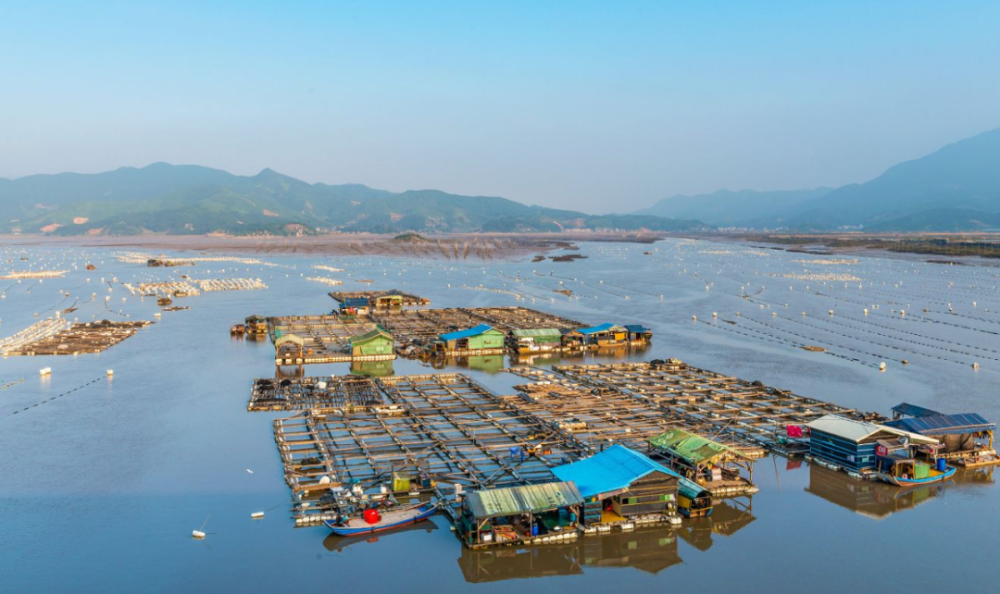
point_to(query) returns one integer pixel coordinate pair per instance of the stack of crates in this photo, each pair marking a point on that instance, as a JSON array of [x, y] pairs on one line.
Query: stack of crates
[[591, 511]]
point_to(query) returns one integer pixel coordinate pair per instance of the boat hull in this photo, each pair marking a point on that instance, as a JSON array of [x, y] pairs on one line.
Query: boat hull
[[422, 513], [901, 482]]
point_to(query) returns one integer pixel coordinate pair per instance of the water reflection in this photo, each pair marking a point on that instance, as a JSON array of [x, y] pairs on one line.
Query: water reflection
[[338, 544], [874, 499], [372, 368], [728, 517], [647, 549]]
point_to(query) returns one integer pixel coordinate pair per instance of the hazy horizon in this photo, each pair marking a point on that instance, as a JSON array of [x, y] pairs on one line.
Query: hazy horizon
[[570, 105]]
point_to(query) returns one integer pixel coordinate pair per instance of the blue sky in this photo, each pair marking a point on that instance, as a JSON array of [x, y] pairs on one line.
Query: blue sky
[[598, 106]]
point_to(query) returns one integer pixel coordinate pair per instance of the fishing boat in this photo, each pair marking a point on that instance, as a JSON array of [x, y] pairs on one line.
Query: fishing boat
[[390, 520], [907, 473], [905, 465]]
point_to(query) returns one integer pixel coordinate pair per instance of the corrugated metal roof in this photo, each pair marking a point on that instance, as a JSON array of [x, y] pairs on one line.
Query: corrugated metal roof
[[913, 410], [595, 329], [691, 447], [858, 430], [615, 468], [636, 328], [944, 424], [474, 331], [537, 332], [520, 500]]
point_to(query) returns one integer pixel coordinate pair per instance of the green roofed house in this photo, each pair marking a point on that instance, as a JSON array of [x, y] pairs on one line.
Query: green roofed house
[[478, 338], [534, 340], [548, 511], [374, 344], [722, 469]]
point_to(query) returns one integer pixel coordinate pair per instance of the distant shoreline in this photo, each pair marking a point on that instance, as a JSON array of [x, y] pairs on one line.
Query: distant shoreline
[[450, 246]]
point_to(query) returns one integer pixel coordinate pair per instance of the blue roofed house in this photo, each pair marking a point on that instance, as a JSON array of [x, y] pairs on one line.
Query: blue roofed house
[[481, 338], [605, 335], [620, 485], [966, 438], [639, 334]]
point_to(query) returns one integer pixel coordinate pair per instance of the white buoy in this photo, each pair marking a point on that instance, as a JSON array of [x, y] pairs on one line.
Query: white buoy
[[975, 366], [694, 318], [249, 471], [111, 372], [715, 315], [257, 515], [197, 534], [831, 312], [881, 366]]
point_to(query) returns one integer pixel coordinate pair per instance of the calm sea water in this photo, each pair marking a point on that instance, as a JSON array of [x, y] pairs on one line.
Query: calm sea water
[[101, 487]]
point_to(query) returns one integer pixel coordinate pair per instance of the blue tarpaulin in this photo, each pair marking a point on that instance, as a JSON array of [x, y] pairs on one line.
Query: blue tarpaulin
[[614, 469], [474, 331], [944, 424]]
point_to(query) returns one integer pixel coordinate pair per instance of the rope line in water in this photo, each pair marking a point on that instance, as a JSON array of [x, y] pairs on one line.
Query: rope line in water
[[67, 393]]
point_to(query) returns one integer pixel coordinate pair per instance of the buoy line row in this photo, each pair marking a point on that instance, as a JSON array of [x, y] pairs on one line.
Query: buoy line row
[[25, 409], [839, 346], [888, 346], [11, 384], [784, 341], [841, 316]]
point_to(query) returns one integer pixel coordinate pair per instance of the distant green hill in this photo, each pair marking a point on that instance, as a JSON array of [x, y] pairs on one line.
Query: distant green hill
[[187, 199]]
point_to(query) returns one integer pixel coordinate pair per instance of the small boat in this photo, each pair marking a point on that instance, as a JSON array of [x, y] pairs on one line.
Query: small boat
[[390, 520], [910, 472]]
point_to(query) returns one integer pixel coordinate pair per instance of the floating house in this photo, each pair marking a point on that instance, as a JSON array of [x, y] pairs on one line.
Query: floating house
[[256, 325], [621, 486], [639, 334], [388, 302], [377, 343], [478, 339], [719, 468], [853, 445], [573, 339], [605, 335], [357, 306], [532, 513], [966, 438], [537, 340]]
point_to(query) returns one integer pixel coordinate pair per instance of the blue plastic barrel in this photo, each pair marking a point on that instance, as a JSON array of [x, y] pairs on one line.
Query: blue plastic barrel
[[942, 465]]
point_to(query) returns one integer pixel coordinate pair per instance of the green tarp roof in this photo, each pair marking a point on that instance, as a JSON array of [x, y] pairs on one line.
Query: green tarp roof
[[371, 334], [533, 332], [693, 448], [520, 500]]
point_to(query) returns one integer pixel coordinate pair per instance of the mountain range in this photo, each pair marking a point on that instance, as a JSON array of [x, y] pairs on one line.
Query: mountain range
[[189, 199], [956, 188]]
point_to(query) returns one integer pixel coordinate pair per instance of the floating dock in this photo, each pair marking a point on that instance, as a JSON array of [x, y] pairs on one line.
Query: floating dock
[[58, 337]]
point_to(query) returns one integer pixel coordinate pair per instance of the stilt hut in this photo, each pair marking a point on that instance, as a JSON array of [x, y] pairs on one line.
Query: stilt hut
[[721, 469], [620, 485], [519, 514], [290, 347]]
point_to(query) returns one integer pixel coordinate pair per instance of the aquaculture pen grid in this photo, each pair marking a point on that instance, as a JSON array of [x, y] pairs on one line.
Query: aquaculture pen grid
[[435, 430], [711, 404], [325, 338], [320, 393]]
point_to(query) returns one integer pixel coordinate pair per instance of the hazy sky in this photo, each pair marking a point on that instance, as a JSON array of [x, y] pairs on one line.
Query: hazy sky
[[599, 106]]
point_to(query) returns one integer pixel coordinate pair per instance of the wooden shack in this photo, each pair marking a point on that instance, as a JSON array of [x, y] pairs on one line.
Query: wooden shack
[[520, 514], [605, 335], [721, 469], [256, 325], [534, 340], [620, 485], [639, 334]]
